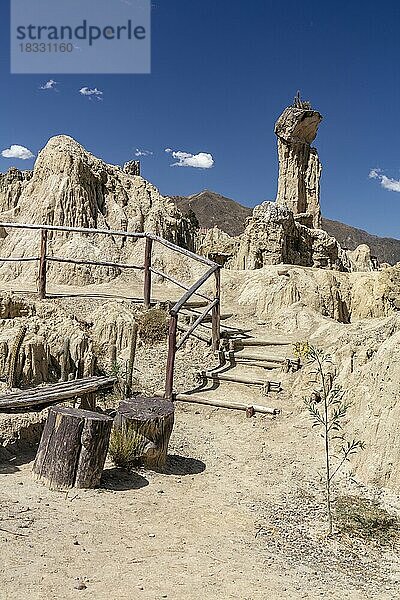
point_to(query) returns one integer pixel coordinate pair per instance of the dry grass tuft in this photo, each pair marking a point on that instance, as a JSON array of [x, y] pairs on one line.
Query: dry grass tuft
[[122, 448], [153, 326], [367, 519]]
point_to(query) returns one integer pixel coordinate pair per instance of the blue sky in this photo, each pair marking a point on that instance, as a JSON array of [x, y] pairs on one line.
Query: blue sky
[[222, 71]]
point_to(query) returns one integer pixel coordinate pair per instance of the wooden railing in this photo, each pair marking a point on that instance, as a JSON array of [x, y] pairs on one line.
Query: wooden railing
[[173, 343]]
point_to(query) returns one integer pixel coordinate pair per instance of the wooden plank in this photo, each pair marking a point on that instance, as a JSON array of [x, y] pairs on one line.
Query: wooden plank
[[169, 376], [197, 335], [183, 286], [54, 393], [196, 323], [96, 263], [42, 264], [238, 379], [147, 273], [85, 230], [216, 313], [187, 253], [260, 342], [20, 259], [258, 357], [175, 309], [225, 404]]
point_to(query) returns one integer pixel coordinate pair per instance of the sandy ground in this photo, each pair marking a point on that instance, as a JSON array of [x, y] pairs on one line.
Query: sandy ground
[[237, 515]]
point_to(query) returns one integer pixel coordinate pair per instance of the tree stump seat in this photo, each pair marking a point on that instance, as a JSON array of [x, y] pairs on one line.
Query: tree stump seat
[[73, 448], [150, 420]]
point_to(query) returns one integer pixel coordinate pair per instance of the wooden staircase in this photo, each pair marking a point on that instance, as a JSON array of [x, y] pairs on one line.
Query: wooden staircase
[[249, 367]]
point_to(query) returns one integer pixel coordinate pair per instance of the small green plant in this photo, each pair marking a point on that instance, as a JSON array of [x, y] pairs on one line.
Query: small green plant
[[361, 517], [328, 410], [116, 369], [123, 446], [153, 326]]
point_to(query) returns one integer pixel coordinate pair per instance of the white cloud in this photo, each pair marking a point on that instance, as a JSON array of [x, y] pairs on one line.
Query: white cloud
[[202, 160], [392, 185], [374, 173], [49, 85], [91, 93], [139, 152], [16, 151]]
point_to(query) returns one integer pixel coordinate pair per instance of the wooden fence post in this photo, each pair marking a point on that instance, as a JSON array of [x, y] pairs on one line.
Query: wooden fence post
[[43, 264], [147, 273], [169, 380], [216, 313]]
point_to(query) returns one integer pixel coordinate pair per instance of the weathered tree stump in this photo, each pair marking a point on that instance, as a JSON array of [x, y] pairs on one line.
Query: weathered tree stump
[[151, 420], [73, 448]]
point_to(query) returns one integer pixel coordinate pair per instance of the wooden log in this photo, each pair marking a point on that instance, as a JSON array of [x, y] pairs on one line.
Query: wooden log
[[196, 335], [195, 303], [175, 309], [42, 264], [208, 319], [73, 448], [197, 322], [20, 259], [147, 273], [181, 250], [183, 286], [96, 263], [55, 393], [272, 385], [148, 422], [169, 377], [86, 230], [225, 404], [261, 365], [216, 313], [259, 342], [260, 357]]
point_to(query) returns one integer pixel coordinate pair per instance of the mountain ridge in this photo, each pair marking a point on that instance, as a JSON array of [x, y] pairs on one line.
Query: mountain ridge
[[212, 208]]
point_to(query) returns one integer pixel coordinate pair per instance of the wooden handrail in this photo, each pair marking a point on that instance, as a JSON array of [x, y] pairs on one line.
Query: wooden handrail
[[214, 305], [85, 230], [96, 263], [197, 322], [188, 253], [175, 309], [179, 284]]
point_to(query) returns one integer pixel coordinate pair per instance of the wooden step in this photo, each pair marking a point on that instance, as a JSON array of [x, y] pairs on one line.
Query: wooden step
[[268, 386], [208, 319], [266, 362], [237, 343]]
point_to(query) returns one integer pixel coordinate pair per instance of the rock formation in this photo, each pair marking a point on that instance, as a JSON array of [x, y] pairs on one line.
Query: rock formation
[[287, 231], [71, 187], [12, 184], [132, 168], [299, 165]]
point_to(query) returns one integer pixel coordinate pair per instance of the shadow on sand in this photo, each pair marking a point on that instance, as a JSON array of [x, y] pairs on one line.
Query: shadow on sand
[[116, 479], [180, 465]]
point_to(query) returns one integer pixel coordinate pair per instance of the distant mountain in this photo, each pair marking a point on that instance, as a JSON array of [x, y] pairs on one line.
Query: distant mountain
[[212, 209], [385, 249]]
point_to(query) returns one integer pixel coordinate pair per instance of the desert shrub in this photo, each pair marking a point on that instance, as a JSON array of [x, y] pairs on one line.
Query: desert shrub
[[327, 411], [122, 448], [361, 517], [153, 326]]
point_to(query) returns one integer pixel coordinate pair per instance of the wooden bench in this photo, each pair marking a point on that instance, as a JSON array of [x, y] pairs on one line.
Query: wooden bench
[[46, 395]]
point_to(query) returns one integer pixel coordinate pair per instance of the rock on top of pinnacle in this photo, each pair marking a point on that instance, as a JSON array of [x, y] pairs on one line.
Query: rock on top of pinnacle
[[298, 124]]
